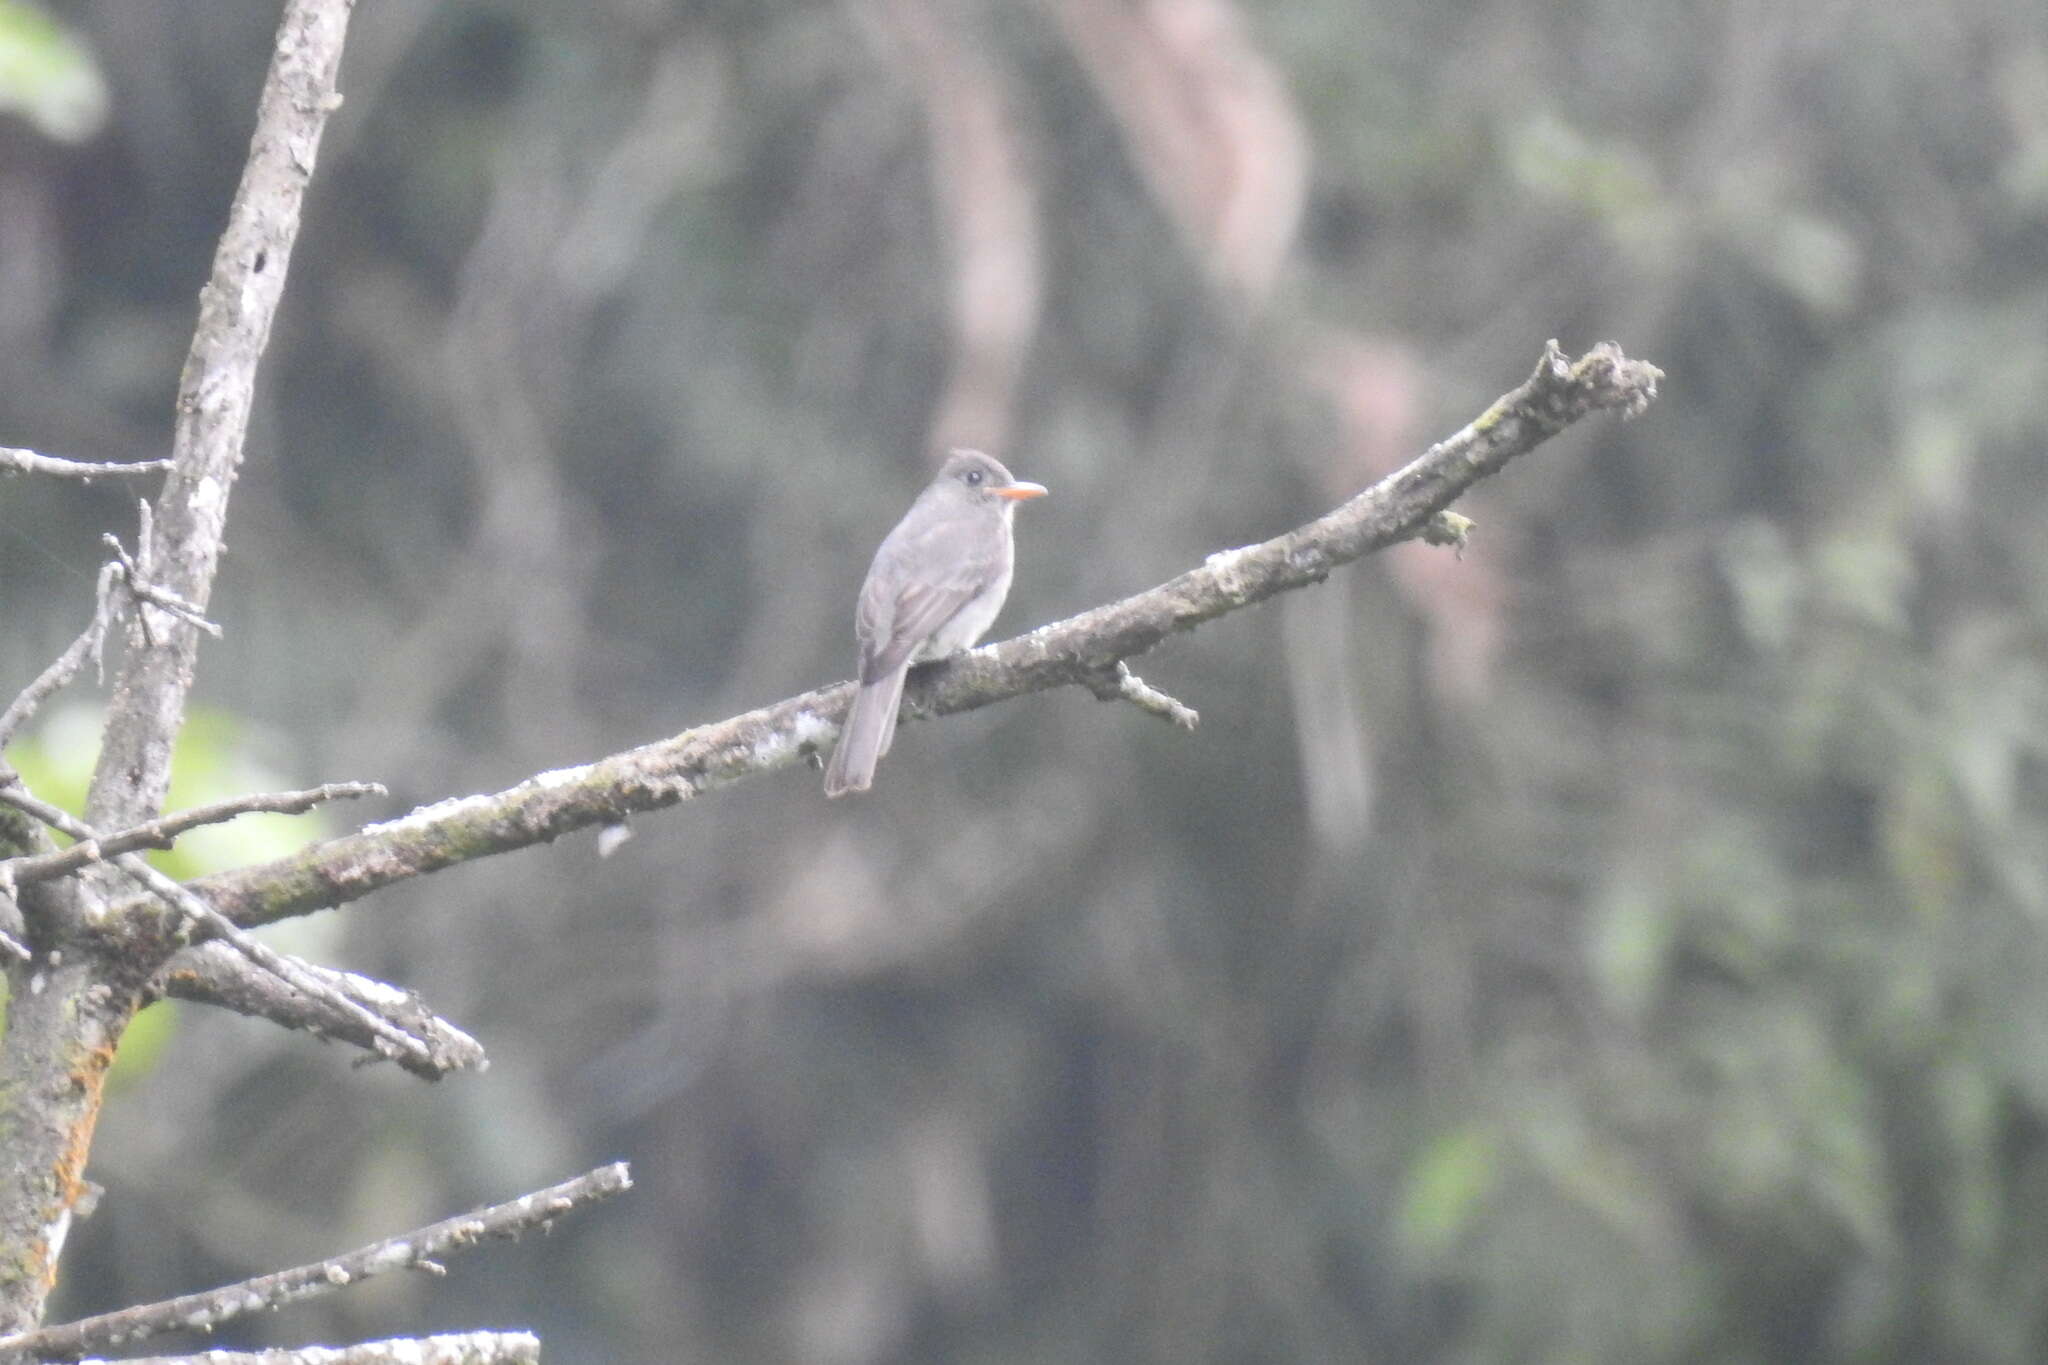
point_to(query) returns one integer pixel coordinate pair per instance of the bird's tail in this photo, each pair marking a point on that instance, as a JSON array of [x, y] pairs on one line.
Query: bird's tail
[[864, 736]]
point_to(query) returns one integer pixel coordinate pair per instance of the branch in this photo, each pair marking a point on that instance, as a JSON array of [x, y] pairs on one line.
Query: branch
[[13, 461], [127, 573], [388, 1039], [217, 974], [161, 833], [215, 395], [66, 665], [466, 1348], [1075, 651], [414, 1250]]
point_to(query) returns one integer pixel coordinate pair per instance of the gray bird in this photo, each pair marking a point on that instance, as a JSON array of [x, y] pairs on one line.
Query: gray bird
[[935, 586]]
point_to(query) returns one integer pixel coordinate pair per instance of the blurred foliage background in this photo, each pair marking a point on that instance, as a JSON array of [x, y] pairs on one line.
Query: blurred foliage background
[[1627, 944]]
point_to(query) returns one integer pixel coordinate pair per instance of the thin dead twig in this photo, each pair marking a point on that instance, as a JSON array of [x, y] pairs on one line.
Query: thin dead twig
[[62, 669], [157, 596], [89, 646], [16, 461], [161, 833]]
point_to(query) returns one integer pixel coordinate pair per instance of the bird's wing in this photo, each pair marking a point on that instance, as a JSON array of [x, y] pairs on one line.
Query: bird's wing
[[899, 610]]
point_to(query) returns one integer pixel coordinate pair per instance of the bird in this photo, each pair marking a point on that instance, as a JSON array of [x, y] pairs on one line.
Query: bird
[[934, 588]]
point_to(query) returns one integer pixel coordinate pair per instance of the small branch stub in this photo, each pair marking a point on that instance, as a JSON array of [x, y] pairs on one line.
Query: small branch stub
[[1120, 684], [1450, 529]]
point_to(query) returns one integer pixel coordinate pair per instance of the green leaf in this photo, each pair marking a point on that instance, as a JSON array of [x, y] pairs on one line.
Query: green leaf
[[48, 75], [1444, 1189]]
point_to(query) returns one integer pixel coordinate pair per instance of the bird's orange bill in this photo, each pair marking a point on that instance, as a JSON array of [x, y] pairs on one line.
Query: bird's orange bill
[[1020, 490]]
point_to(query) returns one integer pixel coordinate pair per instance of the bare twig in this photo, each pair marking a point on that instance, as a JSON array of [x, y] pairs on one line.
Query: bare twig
[[1067, 653], [463, 1348], [139, 584], [414, 1250], [66, 665], [88, 646], [13, 461], [216, 973], [391, 1041], [161, 833]]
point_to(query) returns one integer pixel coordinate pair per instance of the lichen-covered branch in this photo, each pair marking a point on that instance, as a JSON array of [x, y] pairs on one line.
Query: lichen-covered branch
[[204, 922], [1078, 651], [416, 1250], [452, 1348], [216, 973]]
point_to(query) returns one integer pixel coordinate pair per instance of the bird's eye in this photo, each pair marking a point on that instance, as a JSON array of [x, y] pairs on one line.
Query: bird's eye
[[973, 477]]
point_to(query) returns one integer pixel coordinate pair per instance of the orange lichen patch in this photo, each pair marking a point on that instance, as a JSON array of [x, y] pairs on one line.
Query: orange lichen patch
[[89, 1079], [40, 1257]]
